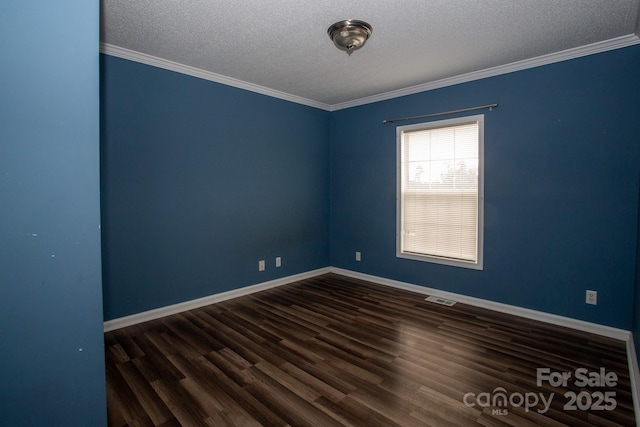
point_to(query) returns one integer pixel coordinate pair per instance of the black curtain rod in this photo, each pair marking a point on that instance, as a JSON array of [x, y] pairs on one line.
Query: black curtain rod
[[481, 107]]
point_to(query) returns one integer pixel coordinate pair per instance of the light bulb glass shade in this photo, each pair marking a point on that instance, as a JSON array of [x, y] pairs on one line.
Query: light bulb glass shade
[[350, 34]]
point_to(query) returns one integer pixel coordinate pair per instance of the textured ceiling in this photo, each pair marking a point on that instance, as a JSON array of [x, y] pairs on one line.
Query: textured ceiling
[[282, 45]]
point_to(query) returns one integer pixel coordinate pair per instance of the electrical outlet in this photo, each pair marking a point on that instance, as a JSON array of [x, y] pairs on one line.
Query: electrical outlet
[[358, 256], [261, 265], [592, 297], [278, 262]]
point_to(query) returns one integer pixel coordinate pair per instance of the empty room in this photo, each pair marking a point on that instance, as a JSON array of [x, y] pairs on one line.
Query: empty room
[[410, 213]]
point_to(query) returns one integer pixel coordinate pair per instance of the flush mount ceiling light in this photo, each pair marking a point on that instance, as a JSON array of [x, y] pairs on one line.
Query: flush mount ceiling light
[[350, 34]]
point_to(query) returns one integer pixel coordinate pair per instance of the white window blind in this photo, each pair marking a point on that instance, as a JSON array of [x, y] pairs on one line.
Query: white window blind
[[440, 191]]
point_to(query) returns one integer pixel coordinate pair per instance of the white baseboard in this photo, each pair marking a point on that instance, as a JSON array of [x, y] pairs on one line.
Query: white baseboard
[[553, 319], [634, 376], [157, 313]]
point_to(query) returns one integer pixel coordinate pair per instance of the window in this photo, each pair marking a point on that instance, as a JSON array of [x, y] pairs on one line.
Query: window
[[440, 191]]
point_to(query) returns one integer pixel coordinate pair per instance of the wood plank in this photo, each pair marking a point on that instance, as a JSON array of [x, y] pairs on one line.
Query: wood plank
[[337, 351]]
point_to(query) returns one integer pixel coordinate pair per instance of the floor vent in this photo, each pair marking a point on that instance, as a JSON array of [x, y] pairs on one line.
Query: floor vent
[[439, 300]]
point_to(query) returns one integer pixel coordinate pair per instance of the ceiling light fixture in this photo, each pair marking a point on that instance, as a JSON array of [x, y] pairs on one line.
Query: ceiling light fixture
[[350, 34]]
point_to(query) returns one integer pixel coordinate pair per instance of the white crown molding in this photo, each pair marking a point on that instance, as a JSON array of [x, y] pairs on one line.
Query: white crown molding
[[157, 313], [539, 61], [154, 61], [580, 325], [603, 46]]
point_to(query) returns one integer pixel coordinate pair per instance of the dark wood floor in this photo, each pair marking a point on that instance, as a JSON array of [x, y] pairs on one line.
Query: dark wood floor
[[334, 351]]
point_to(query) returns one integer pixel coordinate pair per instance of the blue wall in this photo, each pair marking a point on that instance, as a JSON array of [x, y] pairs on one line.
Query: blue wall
[[636, 300], [51, 360], [562, 158], [202, 180]]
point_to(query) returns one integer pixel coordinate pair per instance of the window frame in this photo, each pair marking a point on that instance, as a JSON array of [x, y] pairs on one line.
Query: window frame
[[479, 263]]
